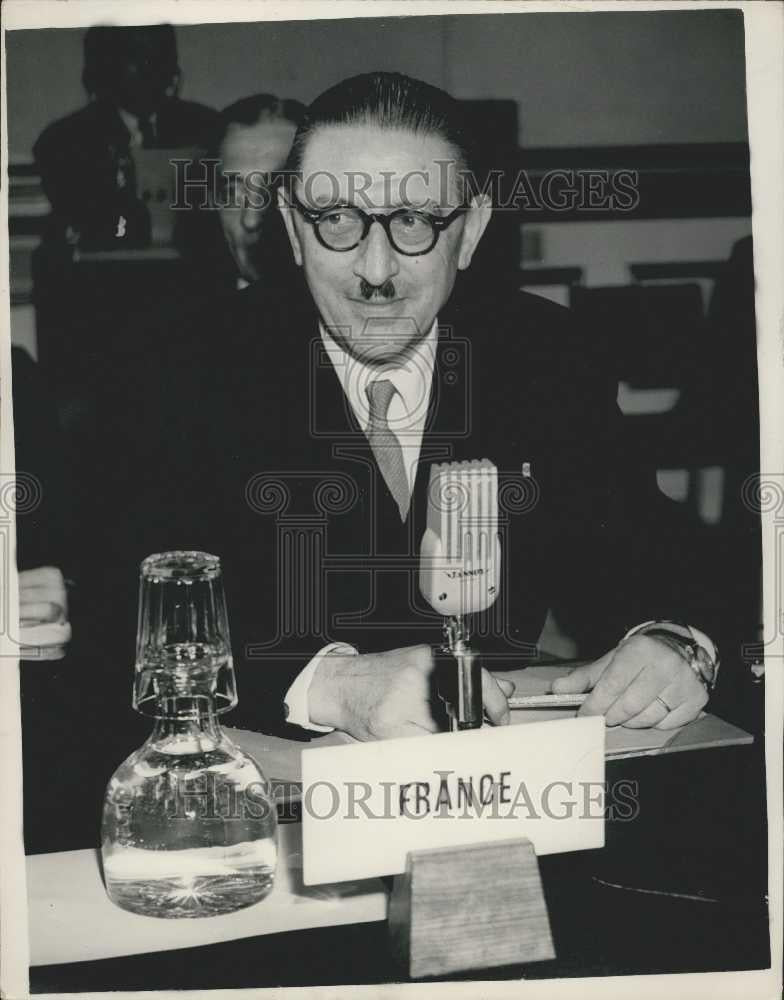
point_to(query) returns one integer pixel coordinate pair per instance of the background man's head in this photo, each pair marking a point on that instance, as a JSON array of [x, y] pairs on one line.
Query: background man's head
[[134, 67], [382, 143], [253, 140]]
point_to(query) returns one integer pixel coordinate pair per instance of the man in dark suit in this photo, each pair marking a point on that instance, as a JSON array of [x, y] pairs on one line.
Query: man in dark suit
[[86, 160], [299, 444]]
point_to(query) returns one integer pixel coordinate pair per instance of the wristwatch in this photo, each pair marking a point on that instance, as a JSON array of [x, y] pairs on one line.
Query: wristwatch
[[699, 652]]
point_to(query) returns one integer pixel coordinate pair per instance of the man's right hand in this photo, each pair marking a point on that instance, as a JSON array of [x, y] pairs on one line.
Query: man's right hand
[[377, 696]]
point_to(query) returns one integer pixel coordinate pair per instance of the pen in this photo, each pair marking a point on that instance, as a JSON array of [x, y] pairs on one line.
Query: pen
[[546, 700]]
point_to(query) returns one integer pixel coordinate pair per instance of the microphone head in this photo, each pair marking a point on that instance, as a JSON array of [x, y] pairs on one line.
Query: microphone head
[[460, 555]]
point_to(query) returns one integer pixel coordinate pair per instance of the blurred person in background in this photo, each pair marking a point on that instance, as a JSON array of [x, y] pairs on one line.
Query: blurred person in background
[[86, 162], [105, 170], [236, 240]]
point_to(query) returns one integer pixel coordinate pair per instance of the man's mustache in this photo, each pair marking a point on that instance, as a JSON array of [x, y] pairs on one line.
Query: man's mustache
[[369, 292]]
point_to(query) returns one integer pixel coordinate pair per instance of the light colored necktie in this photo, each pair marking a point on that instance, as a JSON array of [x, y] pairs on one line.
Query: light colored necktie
[[386, 446]]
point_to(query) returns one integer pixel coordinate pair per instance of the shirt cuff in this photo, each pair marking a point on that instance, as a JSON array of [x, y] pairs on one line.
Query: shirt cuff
[[705, 664], [699, 637], [296, 700]]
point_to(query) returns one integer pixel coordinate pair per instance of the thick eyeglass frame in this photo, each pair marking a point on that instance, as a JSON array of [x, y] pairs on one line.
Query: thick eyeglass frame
[[437, 222]]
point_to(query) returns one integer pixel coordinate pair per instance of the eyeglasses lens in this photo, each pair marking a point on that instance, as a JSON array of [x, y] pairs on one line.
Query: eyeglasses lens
[[344, 228]]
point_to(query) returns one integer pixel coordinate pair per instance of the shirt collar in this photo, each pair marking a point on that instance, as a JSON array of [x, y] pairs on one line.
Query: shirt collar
[[411, 378], [131, 122]]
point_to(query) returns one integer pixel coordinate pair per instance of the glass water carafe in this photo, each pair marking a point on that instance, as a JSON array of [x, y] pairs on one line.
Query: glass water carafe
[[189, 822]]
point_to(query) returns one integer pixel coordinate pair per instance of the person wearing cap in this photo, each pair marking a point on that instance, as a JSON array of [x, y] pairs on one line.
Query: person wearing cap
[[86, 160]]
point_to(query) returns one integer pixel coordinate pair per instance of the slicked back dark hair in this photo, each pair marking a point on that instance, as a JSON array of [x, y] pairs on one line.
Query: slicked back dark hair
[[387, 101]]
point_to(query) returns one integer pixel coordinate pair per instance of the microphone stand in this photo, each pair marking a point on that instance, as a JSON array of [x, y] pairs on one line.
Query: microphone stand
[[460, 684]]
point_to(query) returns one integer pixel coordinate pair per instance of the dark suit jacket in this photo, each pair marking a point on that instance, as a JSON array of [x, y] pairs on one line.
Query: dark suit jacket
[[79, 157], [242, 443], [42, 515], [208, 266]]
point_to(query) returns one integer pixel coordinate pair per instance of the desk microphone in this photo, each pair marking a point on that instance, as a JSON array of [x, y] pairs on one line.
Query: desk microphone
[[459, 575]]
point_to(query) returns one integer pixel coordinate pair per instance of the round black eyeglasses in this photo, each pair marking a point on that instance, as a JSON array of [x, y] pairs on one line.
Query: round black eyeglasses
[[343, 227]]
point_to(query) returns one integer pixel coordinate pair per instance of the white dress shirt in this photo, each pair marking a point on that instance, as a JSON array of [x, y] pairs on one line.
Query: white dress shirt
[[131, 122], [413, 379]]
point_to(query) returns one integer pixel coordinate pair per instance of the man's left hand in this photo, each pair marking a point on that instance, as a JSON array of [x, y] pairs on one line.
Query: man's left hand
[[642, 684], [42, 596]]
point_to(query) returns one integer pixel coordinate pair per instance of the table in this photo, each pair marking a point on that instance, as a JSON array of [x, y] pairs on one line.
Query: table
[[680, 889], [71, 917]]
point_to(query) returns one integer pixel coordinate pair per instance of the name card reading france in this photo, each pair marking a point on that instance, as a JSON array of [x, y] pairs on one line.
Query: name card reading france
[[366, 805], [449, 794]]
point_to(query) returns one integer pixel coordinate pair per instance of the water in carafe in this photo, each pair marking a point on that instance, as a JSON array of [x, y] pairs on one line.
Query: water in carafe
[[189, 822]]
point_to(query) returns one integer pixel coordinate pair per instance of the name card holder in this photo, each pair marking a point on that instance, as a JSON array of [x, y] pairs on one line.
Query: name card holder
[[470, 907]]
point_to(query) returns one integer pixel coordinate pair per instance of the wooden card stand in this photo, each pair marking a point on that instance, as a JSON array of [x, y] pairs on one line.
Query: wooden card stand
[[470, 907]]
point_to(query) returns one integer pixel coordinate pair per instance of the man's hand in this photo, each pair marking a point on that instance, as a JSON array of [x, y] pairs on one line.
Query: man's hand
[[43, 614], [42, 596], [381, 695], [642, 684]]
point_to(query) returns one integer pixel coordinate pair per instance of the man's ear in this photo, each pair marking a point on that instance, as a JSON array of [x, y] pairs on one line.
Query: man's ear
[[288, 220], [477, 218]]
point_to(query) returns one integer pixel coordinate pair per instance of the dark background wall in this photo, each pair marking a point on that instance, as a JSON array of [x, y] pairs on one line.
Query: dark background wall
[[581, 79]]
